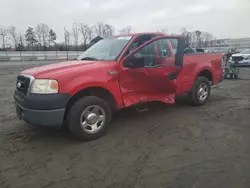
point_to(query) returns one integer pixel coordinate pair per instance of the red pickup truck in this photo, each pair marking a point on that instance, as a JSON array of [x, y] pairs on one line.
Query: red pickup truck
[[115, 73]]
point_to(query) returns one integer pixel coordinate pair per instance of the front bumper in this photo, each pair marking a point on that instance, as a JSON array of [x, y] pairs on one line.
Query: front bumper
[[42, 110], [40, 117], [244, 63]]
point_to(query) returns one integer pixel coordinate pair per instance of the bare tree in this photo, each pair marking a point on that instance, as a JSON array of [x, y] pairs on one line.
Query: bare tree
[[13, 33], [187, 35], [45, 35], [164, 30], [66, 38], [206, 37], [104, 30], [75, 29], [20, 42], [98, 28], [90, 33], [108, 30], [3, 33], [126, 30], [192, 39], [38, 31], [184, 31], [86, 32], [42, 33], [21, 39]]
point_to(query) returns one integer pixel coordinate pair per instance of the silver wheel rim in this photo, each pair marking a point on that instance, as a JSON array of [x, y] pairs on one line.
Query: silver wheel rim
[[203, 92], [92, 119]]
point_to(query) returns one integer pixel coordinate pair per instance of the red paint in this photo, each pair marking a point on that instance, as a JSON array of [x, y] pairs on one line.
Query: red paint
[[131, 86]]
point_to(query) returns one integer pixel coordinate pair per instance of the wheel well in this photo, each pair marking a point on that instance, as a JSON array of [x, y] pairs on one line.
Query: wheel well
[[207, 74], [93, 91]]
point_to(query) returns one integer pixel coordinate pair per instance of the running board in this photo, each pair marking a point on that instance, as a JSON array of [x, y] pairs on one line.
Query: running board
[[141, 107], [141, 110]]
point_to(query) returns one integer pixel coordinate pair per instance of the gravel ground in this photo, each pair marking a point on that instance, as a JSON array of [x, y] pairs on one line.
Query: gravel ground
[[167, 146]]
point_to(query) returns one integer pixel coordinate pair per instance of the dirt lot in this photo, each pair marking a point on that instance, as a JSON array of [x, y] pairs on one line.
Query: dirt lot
[[167, 146]]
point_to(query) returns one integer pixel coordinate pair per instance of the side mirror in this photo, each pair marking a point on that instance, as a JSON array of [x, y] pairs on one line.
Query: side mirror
[[134, 61]]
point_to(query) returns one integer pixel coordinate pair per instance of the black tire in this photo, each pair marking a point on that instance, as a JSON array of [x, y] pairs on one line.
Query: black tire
[[193, 95], [74, 117]]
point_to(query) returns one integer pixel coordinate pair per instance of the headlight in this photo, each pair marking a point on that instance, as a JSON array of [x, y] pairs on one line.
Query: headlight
[[44, 86], [230, 58]]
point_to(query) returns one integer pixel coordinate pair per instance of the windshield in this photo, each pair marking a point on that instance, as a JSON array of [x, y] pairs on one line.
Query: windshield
[[107, 49], [247, 51]]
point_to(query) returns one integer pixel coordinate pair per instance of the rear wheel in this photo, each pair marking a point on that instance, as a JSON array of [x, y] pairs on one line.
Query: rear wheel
[[89, 118], [200, 92]]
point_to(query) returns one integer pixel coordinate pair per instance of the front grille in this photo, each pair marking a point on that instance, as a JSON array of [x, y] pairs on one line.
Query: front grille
[[22, 84], [239, 58]]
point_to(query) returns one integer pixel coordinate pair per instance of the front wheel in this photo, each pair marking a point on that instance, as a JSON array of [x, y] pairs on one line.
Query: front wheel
[[200, 92], [89, 118]]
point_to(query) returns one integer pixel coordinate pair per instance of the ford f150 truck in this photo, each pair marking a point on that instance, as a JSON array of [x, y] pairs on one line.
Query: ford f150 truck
[[117, 72]]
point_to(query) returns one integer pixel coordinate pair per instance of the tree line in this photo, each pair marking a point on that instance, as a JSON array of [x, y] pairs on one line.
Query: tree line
[[78, 38]]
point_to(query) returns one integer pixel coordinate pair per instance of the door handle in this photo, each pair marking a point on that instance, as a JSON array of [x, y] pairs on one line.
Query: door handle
[[172, 76]]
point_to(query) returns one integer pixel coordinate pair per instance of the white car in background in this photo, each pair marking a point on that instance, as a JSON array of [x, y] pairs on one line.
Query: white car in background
[[242, 58]]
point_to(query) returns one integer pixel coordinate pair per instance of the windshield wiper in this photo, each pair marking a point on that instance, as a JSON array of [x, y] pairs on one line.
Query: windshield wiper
[[89, 58]]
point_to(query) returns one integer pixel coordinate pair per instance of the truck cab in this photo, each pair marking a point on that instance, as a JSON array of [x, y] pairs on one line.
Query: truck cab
[[115, 73]]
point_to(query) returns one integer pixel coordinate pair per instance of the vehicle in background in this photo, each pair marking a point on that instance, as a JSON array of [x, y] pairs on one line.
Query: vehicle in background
[[115, 73], [197, 50], [241, 59]]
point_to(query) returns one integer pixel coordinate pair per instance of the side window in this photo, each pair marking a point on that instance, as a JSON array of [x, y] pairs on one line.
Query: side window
[[174, 44], [148, 54], [138, 42], [163, 49], [145, 57]]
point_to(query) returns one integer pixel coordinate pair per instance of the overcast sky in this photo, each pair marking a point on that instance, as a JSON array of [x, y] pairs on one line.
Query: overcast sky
[[223, 18]]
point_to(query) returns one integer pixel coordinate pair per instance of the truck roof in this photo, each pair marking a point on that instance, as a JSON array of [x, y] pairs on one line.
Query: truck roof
[[144, 33], [96, 39], [136, 34]]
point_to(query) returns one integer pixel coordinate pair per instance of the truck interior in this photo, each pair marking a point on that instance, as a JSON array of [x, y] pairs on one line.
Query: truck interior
[[139, 41]]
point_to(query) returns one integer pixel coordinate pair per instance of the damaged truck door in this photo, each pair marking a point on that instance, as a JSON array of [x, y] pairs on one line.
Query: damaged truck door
[[149, 73]]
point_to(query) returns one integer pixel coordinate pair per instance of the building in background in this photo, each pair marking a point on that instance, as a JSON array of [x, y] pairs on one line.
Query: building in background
[[237, 43], [220, 43]]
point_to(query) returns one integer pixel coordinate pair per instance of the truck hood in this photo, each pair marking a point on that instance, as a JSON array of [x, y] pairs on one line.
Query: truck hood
[[52, 70]]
